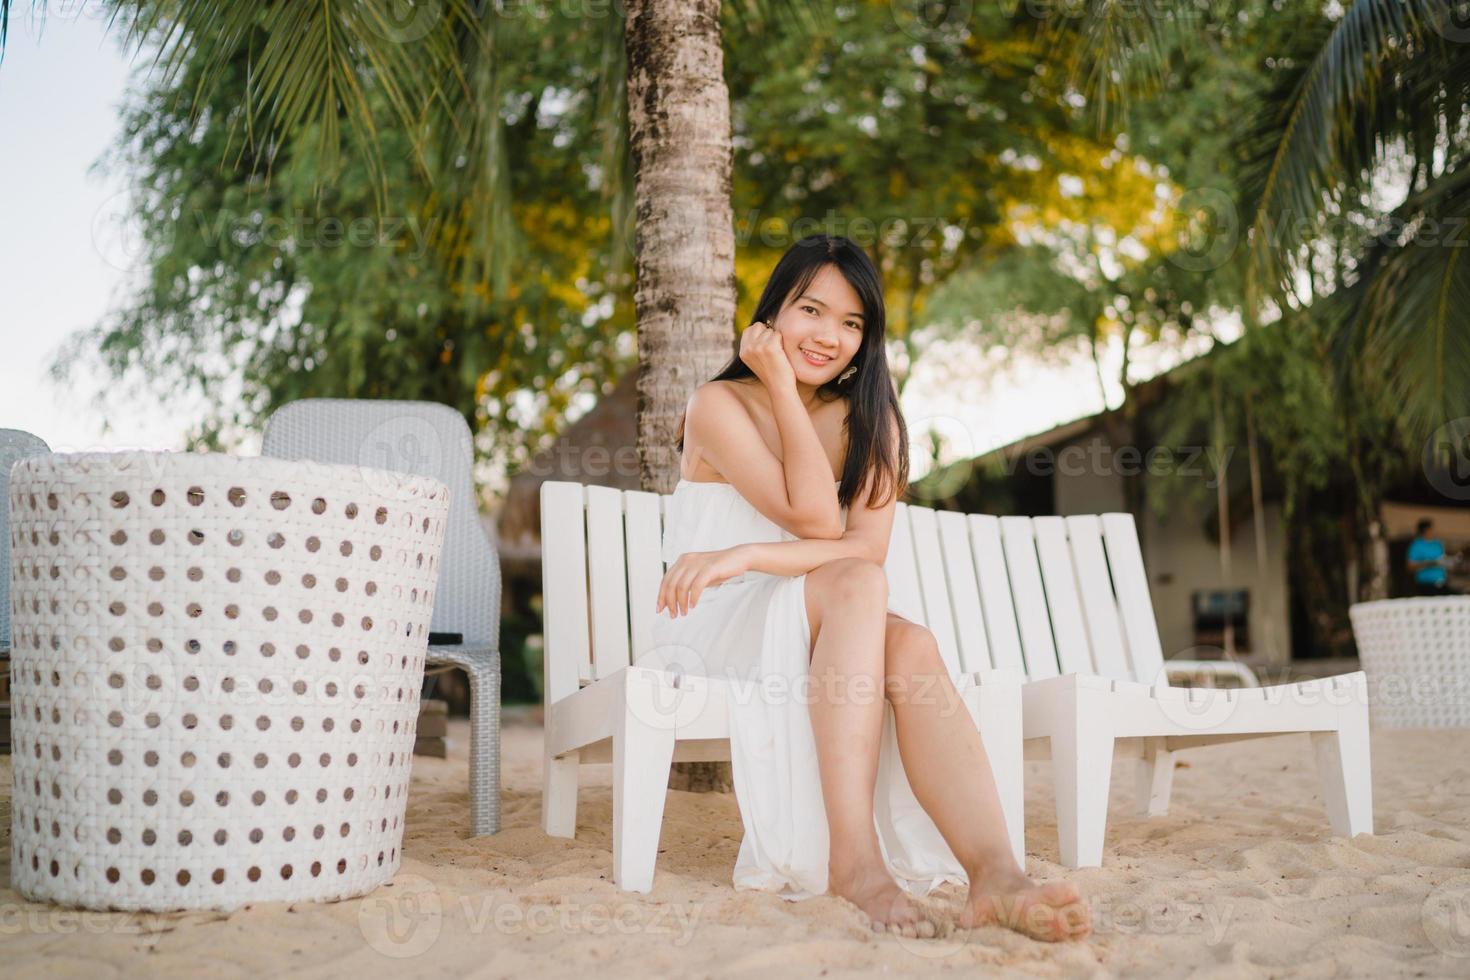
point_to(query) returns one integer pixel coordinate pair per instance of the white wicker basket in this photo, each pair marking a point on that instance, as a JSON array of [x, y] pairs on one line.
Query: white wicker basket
[[215, 675], [1416, 653]]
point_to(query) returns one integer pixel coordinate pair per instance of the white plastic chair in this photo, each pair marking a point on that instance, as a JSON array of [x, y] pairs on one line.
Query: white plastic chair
[[1065, 599], [428, 439], [15, 445], [601, 567]]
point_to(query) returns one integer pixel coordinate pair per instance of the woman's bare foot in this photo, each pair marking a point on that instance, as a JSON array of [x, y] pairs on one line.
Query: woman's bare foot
[[1051, 912], [887, 906]]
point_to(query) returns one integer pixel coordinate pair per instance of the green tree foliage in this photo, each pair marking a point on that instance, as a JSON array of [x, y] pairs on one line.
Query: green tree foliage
[[1137, 240], [1369, 96], [254, 269], [899, 132]]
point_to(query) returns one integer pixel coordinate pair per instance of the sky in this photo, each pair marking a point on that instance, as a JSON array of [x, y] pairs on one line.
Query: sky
[[62, 259], [65, 260]]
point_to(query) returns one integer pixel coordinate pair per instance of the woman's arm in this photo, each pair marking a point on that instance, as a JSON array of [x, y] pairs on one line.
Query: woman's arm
[[718, 430], [807, 469], [866, 536], [799, 557], [796, 491]]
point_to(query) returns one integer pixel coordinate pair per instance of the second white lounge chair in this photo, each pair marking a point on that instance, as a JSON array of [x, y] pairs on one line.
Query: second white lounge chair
[[1066, 600]]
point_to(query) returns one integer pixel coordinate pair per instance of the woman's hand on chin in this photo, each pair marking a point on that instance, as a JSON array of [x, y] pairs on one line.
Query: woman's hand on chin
[[764, 352]]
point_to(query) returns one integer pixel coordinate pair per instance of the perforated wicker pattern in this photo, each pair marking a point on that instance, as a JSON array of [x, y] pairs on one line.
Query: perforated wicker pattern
[[1416, 653], [216, 670], [432, 440], [14, 445]]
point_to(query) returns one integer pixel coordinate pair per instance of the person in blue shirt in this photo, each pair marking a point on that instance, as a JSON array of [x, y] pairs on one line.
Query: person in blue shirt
[[1426, 560]]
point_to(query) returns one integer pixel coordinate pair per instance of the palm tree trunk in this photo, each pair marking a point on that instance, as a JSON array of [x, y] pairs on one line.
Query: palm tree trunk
[[1222, 502], [1266, 602], [679, 135]]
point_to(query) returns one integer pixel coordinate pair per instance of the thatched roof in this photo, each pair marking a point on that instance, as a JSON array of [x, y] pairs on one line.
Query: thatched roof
[[611, 426]]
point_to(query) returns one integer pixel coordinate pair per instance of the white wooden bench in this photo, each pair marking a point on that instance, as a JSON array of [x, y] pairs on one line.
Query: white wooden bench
[[1060, 602], [601, 567], [1066, 601]]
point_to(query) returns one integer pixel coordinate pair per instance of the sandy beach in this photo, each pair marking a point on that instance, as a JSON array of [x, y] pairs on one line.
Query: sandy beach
[[1241, 879]]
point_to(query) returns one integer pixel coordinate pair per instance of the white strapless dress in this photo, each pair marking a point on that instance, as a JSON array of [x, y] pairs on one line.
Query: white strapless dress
[[753, 631]]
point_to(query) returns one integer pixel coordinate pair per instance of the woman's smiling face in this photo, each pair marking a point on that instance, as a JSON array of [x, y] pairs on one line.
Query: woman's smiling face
[[822, 328]]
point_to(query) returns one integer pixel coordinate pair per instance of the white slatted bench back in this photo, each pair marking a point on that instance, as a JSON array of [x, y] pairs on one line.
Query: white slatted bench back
[[602, 563], [1099, 604], [567, 635], [1081, 596], [997, 607], [979, 575], [1046, 595], [951, 593], [643, 525], [901, 569], [1059, 575], [607, 580], [601, 566], [932, 576], [1135, 607], [934, 585], [964, 591], [1018, 540]]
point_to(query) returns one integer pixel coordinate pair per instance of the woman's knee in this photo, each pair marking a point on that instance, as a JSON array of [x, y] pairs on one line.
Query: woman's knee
[[843, 584], [850, 580], [911, 659]]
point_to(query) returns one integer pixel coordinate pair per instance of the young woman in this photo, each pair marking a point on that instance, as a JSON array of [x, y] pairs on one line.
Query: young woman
[[793, 458]]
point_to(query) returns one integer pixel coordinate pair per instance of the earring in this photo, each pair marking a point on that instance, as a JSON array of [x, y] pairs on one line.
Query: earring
[[846, 374]]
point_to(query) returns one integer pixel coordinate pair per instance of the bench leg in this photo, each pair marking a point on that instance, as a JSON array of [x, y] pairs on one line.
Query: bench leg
[[559, 795], [996, 710], [1346, 771], [1082, 764], [1153, 779], [643, 753]]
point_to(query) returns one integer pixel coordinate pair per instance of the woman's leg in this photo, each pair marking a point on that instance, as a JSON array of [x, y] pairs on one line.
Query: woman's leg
[[846, 601], [950, 775]]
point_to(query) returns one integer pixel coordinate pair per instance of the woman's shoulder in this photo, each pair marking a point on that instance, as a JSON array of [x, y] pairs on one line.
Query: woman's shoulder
[[751, 395], [720, 398], [734, 386], [722, 393]]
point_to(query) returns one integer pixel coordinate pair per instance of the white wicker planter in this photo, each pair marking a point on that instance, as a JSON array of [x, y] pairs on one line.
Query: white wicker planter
[[1416, 653], [216, 673]]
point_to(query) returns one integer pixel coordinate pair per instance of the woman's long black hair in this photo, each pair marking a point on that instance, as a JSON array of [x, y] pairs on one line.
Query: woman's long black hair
[[872, 398]]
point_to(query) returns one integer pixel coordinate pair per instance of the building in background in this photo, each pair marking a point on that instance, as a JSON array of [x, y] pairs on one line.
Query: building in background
[[1278, 606]]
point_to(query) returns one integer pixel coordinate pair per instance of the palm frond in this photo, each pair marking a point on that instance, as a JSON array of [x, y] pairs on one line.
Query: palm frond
[[315, 62], [615, 159], [1115, 48], [759, 16], [1317, 145], [1403, 312], [475, 164]]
